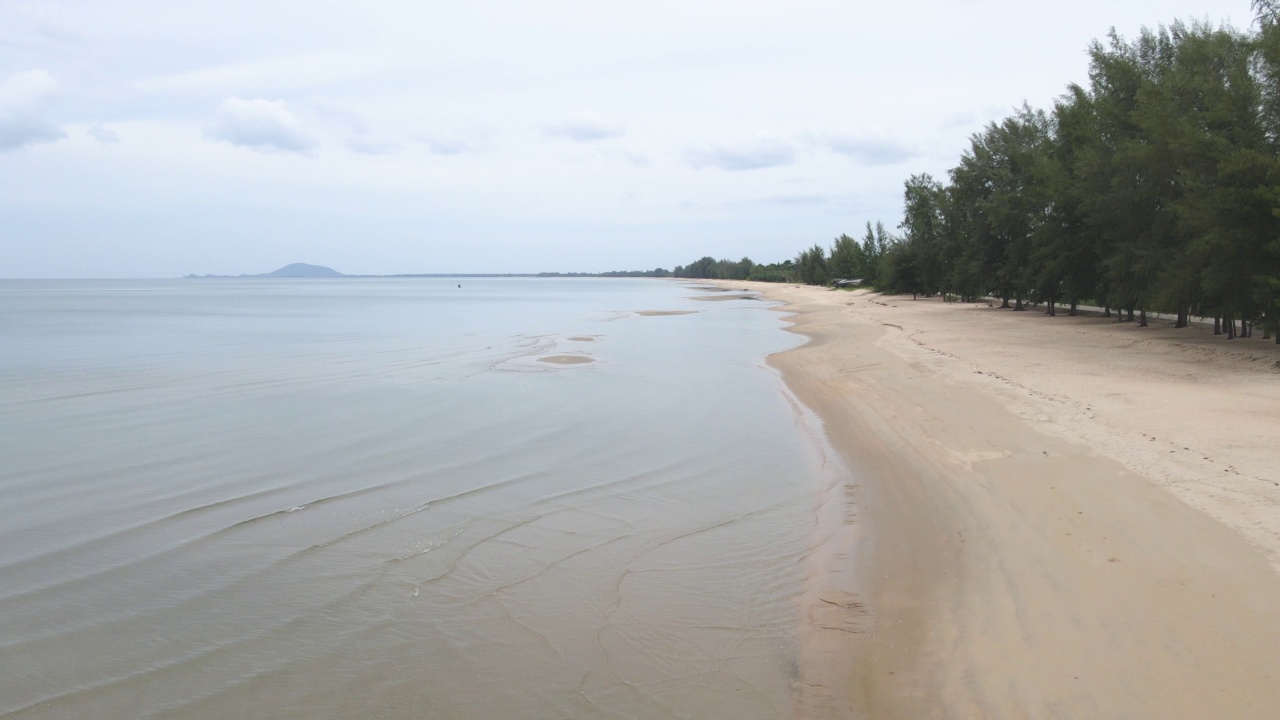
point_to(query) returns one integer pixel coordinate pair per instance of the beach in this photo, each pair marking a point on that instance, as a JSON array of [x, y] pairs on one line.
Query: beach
[[1044, 517]]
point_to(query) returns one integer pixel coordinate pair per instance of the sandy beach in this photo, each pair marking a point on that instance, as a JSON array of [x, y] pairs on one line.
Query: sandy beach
[[1044, 517]]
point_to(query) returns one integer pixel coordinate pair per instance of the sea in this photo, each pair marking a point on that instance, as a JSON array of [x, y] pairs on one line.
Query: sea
[[376, 498]]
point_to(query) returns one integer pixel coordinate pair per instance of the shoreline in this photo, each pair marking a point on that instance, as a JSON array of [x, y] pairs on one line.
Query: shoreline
[[1017, 555]]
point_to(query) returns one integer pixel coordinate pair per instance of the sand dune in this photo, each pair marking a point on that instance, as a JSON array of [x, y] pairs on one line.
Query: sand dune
[[1056, 517]]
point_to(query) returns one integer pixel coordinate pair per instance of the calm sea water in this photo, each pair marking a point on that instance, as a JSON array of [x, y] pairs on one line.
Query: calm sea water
[[370, 498]]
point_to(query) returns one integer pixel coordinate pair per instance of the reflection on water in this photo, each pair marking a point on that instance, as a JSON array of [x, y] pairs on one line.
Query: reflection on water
[[367, 498]]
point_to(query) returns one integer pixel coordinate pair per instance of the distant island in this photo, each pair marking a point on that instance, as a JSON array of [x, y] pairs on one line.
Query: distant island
[[303, 270], [292, 270]]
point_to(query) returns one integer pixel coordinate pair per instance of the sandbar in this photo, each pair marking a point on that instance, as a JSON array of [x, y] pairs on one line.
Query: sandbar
[[717, 298], [1043, 516], [566, 359], [660, 313]]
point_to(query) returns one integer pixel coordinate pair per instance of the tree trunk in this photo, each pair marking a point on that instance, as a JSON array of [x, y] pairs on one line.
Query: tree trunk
[[1130, 310], [1074, 303], [1142, 322], [1217, 325], [1182, 318], [1106, 311], [1005, 304], [1230, 324]]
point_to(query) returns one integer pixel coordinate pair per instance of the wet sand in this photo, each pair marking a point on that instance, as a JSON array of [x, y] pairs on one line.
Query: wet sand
[[566, 359], [722, 298], [663, 313], [1044, 516]]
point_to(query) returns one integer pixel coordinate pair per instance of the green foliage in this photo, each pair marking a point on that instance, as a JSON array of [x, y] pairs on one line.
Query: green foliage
[[709, 267], [657, 272], [898, 271], [846, 261], [925, 239], [775, 272], [811, 266]]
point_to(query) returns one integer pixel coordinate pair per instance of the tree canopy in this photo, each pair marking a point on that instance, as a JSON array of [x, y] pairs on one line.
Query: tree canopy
[[1154, 186]]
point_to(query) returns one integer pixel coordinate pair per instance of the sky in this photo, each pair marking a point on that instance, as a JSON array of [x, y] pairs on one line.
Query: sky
[[155, 139]]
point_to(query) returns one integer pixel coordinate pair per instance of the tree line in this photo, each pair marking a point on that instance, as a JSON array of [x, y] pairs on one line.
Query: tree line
[[1154, 187], [848, 259]]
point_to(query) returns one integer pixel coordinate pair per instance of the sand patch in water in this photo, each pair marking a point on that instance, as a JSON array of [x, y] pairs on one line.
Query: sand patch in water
[[566, 360], [717, 298]]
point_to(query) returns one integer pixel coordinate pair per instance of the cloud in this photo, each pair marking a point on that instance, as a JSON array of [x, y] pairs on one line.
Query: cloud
[[461, 141], [359, 137], [103, 135], [760, 152], [634, 159], [959, 120], [261, 125], [869, 150], [368, 145], [24, 100], [799, 199], [584, 127], [271, 75]]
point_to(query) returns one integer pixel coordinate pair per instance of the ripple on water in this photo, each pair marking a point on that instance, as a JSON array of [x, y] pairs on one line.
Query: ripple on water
[[327, 503]]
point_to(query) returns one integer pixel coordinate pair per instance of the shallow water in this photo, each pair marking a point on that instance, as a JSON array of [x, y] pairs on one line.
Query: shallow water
[[369, 498]]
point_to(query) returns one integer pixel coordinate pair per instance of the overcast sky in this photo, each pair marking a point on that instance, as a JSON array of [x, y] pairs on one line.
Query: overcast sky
[[155, 139]]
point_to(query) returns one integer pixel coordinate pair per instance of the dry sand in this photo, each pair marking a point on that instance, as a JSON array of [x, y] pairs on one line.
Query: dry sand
[[1054, 517]]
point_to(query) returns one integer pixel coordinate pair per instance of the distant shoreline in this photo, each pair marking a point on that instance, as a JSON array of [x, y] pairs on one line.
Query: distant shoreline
[[307, 271], [423, 275]]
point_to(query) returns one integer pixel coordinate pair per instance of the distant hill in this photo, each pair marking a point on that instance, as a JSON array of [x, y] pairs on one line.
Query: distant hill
[[303, 270]]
